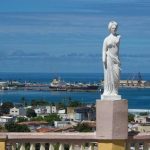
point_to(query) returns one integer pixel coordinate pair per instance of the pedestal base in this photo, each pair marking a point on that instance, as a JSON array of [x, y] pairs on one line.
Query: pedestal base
[[112, 119], [112, 145]]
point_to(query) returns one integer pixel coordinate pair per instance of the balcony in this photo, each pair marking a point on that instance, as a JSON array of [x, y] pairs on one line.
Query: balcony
[[65, 141], [111, 134], [48, 141]]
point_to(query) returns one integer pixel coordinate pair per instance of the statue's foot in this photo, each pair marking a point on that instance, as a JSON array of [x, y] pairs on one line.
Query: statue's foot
[[110, 93]]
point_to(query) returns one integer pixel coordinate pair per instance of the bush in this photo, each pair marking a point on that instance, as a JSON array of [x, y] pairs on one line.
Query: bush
[[14, 127], [21, 119], [39, 103], [72, 103], [39, 118], [144, 114], [31, 113], [83, 127], [51, 118], [130, 117], [5, 108]]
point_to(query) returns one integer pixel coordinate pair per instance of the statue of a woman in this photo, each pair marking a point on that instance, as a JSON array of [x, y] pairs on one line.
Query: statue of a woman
[[111, 62]]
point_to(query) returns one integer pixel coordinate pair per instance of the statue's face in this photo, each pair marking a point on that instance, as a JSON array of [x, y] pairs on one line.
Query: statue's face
[[113, 29]]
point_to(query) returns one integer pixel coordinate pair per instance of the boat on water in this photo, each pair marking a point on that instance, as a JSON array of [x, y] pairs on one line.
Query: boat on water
[[59, 85]]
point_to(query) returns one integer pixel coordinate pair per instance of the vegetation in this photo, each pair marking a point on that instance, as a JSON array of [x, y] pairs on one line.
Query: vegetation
[[21, 119], [68, 103], [14, 127], [5, 108], [144, 113], [130, 117], [38, 118], [31, 113], [83, 127], [51, 118], [39, 103], [2, 129], [73, 103], [61, 105], [52, 104]]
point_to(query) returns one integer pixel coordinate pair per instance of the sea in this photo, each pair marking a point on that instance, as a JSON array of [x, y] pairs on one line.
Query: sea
[[138, 98]]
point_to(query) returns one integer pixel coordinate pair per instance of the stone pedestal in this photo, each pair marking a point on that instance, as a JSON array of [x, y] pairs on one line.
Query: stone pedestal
[[112, 119]]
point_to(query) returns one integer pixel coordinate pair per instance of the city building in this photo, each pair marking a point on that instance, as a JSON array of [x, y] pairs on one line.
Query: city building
[[71, 113], [142, 119], [43, 110], [5, 119], [85, 113], [17, 111], [142, 128], [62, 114]]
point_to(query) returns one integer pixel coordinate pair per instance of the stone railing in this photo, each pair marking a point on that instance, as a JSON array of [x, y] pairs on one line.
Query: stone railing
[[140, 141], [48, 141], [111, 134], [65, 141]]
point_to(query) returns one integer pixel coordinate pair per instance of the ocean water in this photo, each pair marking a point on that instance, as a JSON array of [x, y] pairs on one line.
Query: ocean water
[[137, 98]]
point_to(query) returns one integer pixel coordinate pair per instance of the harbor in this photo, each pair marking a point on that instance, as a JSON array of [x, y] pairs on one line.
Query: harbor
[[60, 85], [37, 86]]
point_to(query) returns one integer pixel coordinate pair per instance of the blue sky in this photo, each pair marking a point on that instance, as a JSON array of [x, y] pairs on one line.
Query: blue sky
[[67, 35]]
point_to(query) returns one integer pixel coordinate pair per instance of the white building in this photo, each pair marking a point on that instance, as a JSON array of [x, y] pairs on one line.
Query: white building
[[17, 111], [53, 109], [38, 111], [61, 111], [142, 119], [41, 110], [62, 114], [5, 119]]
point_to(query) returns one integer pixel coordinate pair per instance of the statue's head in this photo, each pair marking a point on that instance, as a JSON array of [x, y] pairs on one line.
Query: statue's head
[[112, 27]]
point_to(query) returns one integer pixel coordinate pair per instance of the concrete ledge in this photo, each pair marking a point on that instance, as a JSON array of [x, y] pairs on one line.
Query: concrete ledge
[[140, 136], [46, 137], [84, 136], [3, 136], [19, 136]]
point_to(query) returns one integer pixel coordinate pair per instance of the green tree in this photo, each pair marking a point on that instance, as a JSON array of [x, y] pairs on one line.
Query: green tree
[[61, 105], [38, 118], [2, 128], [14, 127], [31, 113], [144, 114], [83, 127], [130, 117], [5, 108], [21, 119], [74, 103], [39, 103], [52, 104], [51, 118]]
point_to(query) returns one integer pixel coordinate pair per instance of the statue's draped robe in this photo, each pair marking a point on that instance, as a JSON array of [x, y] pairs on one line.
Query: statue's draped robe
[[112, 65]]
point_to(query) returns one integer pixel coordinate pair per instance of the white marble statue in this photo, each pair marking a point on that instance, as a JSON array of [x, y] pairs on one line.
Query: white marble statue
[[111, 62]]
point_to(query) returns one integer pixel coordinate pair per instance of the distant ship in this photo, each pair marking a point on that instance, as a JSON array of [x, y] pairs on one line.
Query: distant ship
[[59, 85]]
